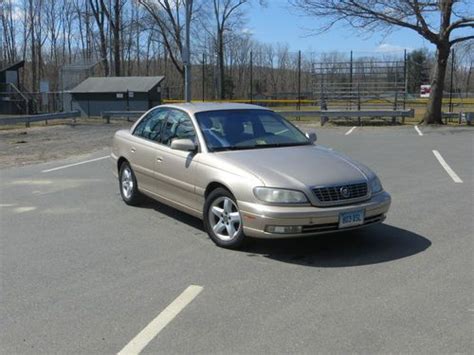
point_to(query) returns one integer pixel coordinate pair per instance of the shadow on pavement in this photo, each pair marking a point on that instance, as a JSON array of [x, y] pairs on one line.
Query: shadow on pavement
[[376, 244], [173, 213]]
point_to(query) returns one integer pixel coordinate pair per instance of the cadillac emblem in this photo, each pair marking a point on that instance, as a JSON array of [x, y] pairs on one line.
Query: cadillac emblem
[[345, 192]]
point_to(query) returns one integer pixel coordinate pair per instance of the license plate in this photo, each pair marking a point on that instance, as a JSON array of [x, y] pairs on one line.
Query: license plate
[[351, 219]]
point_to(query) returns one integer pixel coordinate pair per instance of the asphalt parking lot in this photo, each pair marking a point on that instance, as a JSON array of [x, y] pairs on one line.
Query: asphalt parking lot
[[81, 272]]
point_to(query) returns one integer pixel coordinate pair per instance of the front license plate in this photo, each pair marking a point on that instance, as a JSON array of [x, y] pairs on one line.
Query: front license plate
[[351, 219]]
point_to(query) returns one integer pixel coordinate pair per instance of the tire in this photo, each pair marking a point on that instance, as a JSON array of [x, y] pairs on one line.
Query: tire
[[128, 185], [222, 219]]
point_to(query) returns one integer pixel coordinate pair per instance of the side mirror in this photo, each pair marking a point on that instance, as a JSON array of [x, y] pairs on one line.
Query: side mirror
[[312, 137], [186, 145]]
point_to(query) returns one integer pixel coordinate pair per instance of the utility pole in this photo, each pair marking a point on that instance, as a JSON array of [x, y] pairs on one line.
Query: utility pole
[[203, 76], [251, 77], [187, 52]]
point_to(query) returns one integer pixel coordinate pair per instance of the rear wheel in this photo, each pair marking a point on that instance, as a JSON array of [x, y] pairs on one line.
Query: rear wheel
[[128, 185], [222, 219]]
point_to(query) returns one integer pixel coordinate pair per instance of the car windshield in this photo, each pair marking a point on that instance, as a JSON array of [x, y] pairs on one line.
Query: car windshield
[[247, 129]]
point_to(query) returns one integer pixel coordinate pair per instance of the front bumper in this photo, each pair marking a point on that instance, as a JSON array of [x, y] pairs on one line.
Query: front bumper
[[314, 220]]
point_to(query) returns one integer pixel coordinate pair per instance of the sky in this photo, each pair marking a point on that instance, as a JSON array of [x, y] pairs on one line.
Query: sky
[[277, 22]]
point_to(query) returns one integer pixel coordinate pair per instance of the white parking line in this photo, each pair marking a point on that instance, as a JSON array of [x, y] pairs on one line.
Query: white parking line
[[446, 167], [137, 344], [420, 133], [350, 131], [75, 164]]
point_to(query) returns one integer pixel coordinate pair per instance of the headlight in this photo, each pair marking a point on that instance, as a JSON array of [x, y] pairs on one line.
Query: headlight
[[270, 195], [375, 185]]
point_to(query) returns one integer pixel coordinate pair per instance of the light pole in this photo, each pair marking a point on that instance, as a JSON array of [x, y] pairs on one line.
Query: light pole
[[187, 52]]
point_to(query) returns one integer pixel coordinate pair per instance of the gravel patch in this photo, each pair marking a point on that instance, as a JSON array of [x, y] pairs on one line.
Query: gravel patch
[[21, 146]]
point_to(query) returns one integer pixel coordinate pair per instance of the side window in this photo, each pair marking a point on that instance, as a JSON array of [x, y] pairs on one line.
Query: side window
[[273, 126], [178, 126], [151, 126]]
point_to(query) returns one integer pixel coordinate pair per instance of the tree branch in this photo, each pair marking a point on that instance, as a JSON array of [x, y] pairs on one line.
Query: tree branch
[[460, 39], [463, 22], [429, 35]]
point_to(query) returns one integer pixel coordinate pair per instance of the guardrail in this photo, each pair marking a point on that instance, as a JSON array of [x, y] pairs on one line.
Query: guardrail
[[448, 116], [41, 117], [106, 115], [341, 114], [325, 115]]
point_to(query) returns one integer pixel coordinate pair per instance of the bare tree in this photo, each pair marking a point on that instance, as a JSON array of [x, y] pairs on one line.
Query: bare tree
[[227, 15], [436, 21], [168, 16], [114, 16], [465, 66], [99, 15], [8, 34]]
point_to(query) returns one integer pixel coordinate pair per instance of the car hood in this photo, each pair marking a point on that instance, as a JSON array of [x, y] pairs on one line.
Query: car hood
[[299, 166]]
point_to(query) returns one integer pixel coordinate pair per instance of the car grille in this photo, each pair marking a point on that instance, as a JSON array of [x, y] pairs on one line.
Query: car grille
[[329, 227], [335, 193]]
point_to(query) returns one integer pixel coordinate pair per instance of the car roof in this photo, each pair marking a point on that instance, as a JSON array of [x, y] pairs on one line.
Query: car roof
[[193, 108]]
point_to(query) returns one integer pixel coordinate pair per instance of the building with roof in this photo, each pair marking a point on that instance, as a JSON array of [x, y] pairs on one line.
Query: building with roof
[[127, 93], [13, 100]]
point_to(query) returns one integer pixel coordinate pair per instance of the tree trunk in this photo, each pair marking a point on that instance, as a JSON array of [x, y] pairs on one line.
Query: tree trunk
[[433, 114], [116, 40], [34, 76], [103, 52]]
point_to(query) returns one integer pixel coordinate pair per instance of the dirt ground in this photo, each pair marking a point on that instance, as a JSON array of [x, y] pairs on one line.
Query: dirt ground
[[41, 143], [20, 146]]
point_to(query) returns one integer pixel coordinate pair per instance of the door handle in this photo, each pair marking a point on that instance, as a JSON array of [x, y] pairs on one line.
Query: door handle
[[133, 150], [159, 159]]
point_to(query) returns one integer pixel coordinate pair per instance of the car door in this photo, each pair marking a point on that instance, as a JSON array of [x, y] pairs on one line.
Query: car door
[[144, 149], [175, 167]]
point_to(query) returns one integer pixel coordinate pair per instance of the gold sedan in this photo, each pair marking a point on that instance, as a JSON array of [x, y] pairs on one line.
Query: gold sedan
[[245, 171]]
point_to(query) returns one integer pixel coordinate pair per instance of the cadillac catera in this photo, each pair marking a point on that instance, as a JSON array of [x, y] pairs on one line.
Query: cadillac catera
[[245, 171]]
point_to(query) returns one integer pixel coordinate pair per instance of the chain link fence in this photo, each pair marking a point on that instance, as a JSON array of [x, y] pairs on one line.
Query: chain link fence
[[301, 80]]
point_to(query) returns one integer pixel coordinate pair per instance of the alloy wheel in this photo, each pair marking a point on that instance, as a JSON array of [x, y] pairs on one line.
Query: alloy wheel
[[224, 218], [127, 183]]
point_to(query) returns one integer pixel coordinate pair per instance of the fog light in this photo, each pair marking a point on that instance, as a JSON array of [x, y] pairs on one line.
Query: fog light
[[283, 229]]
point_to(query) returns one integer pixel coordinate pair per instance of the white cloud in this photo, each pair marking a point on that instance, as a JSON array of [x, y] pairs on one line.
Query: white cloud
[[247, 31], [387, 47]]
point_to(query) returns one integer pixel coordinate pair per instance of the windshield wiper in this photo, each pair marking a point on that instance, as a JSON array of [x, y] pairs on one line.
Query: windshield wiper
[[257, 146], [276, 145], [220, 149]]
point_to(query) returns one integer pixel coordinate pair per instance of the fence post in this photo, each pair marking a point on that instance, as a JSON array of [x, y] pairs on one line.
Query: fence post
[[322, 100], [350, 82], [451, 84], [299, 81], [405, 82], [358, 104], [395, 106]]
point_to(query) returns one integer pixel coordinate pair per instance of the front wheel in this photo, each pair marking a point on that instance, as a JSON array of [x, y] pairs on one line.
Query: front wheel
[[222, 219]]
